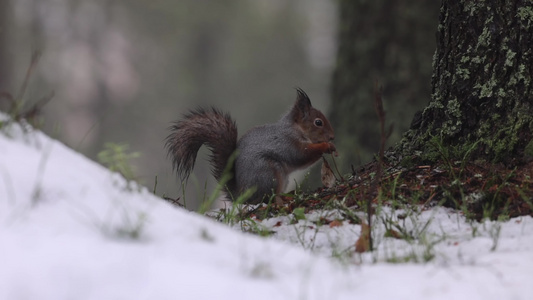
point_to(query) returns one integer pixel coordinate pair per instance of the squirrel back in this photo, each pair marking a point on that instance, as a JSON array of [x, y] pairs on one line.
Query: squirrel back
[[266, 154]]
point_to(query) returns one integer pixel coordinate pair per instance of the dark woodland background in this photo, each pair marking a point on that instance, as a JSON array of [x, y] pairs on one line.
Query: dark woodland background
[[123, 70]]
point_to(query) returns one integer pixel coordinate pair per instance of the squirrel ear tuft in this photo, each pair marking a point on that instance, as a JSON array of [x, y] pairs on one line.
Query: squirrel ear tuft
[[302, 106]]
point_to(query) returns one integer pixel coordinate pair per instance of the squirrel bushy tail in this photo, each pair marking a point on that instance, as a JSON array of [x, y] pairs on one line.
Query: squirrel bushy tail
[[211, 127]]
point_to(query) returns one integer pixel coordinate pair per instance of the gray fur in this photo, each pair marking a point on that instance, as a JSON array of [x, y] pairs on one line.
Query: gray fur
[[266, 156]]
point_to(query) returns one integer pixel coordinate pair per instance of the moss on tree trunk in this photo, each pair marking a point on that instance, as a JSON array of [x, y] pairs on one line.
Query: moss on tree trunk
[[481, 86]]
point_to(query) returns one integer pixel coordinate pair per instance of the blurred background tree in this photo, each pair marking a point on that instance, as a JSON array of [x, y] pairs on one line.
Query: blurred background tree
[[391, 42], [4, 62]]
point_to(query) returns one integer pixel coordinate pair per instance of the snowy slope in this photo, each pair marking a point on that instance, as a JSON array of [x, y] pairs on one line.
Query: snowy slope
[[69, 229]]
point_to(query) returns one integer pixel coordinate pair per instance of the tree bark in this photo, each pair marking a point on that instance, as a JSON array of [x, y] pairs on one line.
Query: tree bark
[[392, 42], [481, 102]]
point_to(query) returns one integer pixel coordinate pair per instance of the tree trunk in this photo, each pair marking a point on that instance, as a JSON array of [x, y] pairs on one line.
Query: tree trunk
[[482, 102], [4, 61], [389, 41]]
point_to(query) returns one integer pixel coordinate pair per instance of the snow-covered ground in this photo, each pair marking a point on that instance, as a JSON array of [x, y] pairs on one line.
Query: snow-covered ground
[[69, 229]]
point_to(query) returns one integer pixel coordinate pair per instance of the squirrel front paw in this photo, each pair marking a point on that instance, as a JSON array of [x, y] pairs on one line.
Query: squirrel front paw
[[331, 148], [321, 148]]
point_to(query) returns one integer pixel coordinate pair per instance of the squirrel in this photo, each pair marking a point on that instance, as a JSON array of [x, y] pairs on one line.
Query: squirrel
[[265, 155]]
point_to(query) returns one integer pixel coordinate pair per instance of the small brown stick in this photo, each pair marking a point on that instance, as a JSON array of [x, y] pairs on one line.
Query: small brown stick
[[33, 63], [333, 155], [378, 105]]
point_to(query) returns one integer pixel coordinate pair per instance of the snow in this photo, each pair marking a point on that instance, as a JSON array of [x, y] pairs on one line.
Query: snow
[[70, 229]]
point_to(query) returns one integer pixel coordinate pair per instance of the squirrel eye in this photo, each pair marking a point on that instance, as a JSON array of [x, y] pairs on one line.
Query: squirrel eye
[[318, 122]]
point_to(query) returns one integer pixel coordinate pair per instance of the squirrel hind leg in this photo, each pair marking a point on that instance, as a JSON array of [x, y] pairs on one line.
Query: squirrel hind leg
[[261, 195], [267, 178]]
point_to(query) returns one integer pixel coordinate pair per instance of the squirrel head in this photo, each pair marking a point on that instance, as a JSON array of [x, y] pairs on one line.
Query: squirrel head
[[314, 125]]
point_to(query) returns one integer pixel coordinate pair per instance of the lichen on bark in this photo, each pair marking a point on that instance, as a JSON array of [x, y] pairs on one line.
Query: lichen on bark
[[481, 84]]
